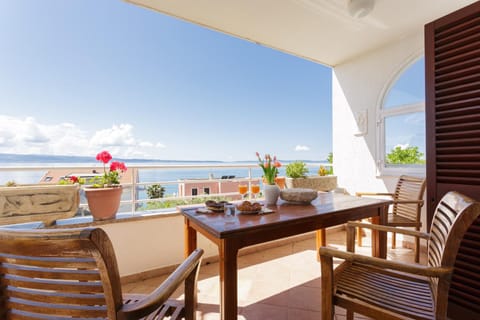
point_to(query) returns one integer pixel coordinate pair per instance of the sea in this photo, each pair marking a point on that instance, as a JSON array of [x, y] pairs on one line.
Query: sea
[[145, 175]]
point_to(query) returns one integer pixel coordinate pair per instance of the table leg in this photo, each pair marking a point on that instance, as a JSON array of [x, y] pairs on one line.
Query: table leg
[[190, 238], [379, 238], [321, 240], [228, 280]]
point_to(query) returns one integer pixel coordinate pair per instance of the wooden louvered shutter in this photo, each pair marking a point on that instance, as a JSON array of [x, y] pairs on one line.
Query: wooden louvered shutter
[[452, 113]]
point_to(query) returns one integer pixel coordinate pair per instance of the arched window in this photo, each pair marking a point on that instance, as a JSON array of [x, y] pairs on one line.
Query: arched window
[[401, 123]]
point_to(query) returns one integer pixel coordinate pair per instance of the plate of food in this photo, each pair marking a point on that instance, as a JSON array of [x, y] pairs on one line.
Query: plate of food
[[215, 206], [247, 207]]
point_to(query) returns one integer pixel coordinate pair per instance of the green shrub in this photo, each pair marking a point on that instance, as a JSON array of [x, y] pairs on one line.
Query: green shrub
[[155, 191], [297, 169]]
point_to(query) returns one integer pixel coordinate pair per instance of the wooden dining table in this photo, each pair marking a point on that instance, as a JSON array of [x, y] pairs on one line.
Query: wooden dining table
[[287, 219]]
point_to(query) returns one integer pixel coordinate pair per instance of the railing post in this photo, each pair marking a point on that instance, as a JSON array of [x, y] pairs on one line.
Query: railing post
[[134, 190]]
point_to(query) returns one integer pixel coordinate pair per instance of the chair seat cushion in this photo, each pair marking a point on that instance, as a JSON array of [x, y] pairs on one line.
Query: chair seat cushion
[[404, 294], [173, 308]]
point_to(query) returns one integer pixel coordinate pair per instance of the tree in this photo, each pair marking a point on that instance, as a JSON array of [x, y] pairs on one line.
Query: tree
[[155, 191], [408, 155], [330, 160]]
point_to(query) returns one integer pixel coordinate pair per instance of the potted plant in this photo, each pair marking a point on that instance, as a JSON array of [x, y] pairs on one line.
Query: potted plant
[[270, 167], [104, 192], [296, 169], [297, 177]]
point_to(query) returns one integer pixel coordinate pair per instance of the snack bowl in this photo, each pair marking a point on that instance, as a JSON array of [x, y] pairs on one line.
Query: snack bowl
[[298, 195]]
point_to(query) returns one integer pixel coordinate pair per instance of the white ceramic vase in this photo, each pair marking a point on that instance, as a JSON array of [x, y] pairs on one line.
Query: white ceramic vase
[[271, 192]]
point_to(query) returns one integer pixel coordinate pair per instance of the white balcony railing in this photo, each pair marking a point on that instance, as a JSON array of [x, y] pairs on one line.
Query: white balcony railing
[[173, 177]]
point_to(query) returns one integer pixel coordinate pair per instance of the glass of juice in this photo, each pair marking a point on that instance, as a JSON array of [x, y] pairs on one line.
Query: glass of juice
[[242, 189], [255, 189]]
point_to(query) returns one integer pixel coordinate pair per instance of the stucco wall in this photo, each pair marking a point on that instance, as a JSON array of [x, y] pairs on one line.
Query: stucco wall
[[151, 244], [360, 85]]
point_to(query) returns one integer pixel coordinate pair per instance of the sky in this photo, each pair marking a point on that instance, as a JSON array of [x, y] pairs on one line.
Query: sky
[[81, 76]]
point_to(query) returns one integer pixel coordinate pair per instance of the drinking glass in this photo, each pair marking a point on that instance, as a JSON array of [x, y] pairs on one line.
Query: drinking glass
[[255, 189], [243, 189], [229, 210]]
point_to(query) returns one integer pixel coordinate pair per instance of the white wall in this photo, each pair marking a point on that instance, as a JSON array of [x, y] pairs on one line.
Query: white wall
[[143, 245], [360, 85]]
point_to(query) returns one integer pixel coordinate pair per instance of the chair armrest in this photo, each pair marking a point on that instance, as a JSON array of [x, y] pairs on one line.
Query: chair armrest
[[359, 194], [417, 269], [379, 227], [185, 271]]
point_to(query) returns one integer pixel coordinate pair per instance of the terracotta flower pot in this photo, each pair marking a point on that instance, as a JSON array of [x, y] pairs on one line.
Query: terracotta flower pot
[[103, 202]]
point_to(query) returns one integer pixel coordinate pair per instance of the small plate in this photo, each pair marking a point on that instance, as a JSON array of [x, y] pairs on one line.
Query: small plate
[[204, 211], [259, 212], [216, 209], [249, 212]]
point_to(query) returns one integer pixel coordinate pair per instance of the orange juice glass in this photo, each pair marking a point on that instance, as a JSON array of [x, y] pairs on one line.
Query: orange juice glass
[[255, 188], [242, 189]]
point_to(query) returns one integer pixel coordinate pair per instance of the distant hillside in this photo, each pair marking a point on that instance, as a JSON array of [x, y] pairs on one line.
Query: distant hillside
[[37, 158], [26, 158]]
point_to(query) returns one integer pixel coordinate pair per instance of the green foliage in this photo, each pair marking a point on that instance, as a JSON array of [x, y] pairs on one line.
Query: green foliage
[[11, 183], [330, 160], [296, 169], [330, 157], [409, 155], [166, 203], [155, 191]]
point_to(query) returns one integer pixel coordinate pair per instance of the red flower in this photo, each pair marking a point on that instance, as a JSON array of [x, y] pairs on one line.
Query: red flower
[[112, 177], [104, 156], [116, 165], [73, 179]]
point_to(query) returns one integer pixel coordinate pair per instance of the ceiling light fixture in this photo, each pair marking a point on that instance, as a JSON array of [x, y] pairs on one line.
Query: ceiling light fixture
[[360, 8]]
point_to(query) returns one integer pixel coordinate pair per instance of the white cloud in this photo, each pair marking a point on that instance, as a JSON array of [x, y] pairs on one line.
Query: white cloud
[[145, 144], [28, 136], [299, 147], [402, 146]]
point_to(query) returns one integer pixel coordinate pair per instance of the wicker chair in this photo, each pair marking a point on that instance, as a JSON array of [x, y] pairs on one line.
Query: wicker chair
[[385, 289], [73, 273], [406, 208]]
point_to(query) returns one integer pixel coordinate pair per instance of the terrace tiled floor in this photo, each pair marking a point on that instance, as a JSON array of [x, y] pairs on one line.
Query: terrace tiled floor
[[280, 283]]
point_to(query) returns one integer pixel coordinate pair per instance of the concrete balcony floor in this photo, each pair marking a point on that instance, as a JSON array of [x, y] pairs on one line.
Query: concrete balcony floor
[[280, 283]]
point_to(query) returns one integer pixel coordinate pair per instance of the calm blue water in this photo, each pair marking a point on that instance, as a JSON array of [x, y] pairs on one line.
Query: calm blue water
[[145, 175]]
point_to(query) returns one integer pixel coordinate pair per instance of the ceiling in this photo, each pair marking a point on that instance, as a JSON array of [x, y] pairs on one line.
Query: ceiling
[[319, 30]]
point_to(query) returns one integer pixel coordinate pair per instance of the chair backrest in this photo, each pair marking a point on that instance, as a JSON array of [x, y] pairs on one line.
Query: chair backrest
[[453, 216], [56, 274], [408, 188]]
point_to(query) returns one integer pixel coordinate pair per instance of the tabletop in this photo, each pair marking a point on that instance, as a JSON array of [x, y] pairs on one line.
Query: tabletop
[[329, 205]]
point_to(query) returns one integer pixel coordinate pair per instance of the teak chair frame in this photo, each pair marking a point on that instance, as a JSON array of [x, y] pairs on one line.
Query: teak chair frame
[[73, 273], [406, 208], [385, 289]]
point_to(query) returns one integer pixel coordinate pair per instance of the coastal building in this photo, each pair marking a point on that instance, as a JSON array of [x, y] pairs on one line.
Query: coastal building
[[205, 187], [54, 176]]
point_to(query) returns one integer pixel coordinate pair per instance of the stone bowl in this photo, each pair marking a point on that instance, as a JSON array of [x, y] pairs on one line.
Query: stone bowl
[[298, 195]]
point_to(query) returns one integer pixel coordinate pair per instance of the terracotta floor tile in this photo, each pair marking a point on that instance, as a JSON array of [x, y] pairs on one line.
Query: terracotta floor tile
[[305, 298], [300, 314], [265, 312], [278, 283]]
